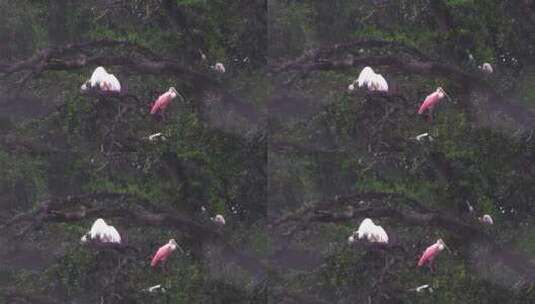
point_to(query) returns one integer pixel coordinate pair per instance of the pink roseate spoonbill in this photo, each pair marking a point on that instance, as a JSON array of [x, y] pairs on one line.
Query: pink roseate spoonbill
[[487, 68], [486, 219], [102, 232], [164, 252], [373, 233], [164, 100], [431, 252], [432, 100], [219, 67], [219, 220]]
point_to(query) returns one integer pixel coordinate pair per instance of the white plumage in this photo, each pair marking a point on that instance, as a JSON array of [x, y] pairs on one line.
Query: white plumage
[[487, 68], [373, 233], [423, 136], [378, 83], [486, 219], [103, 233], [219, 219], [371, 80], [365, 76], [112, 84], [102, 80], [98, 76], [219, 67]]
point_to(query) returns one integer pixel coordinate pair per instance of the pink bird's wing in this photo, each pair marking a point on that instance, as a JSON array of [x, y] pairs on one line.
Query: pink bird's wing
[[160, 256], [429, 255], [161, 103], [429, 102]]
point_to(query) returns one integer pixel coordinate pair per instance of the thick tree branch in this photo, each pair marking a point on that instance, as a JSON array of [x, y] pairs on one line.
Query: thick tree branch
[[318, 59]]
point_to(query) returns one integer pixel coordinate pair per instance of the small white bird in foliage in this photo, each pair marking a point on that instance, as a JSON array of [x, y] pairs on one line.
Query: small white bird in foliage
[[219, 67], [424, 135], [486, 219], [153, 137], [218, 219], [102, 232], [155, 288], [423, 288], [470, 207], [373, 233], [203, 56], [487, 68]]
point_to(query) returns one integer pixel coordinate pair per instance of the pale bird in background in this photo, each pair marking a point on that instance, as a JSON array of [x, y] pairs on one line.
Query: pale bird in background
[[369, 79], [486, 219], [218, 219], [431, 252], [203, 56], [154, 288], [219, 67], [432, 100], [102, 232], [487, 68], [154, 136], [470, 208], [164, 252], [422, 288], [373, 233], [103, 81], [164, 100], [424, 135]]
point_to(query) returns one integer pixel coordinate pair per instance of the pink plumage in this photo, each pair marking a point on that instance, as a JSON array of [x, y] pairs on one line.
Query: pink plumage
[[431, 100], [161, 103], [163, 253], [431, 252]]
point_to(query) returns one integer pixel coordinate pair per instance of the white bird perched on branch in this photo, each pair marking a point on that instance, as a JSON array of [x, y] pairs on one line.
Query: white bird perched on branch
[[487, 68], [486, 219], [102, 80], [218, 219], [219, 67], [373, 233], [373, 81], [102, 232]]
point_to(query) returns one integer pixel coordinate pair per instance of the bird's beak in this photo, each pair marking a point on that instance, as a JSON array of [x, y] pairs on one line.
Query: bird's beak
[[181, 250], [180, 95], [447, 96], [447, 247]]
